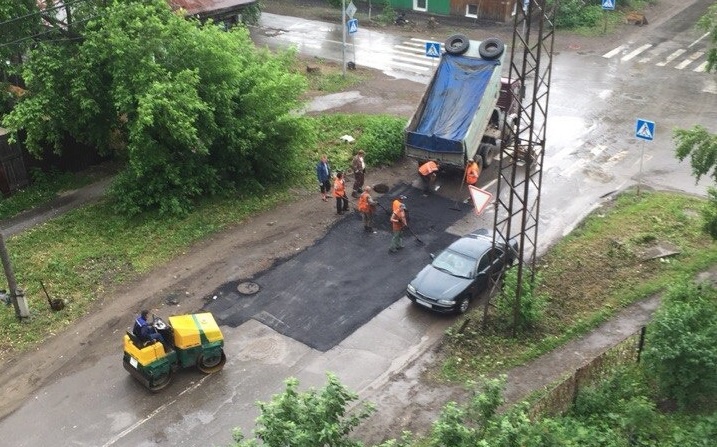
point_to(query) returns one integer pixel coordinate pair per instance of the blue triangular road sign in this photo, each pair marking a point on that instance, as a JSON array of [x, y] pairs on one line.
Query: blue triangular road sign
[[608, 4]]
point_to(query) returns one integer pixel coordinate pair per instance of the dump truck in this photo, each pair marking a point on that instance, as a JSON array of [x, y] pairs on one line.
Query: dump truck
[[462, 113]]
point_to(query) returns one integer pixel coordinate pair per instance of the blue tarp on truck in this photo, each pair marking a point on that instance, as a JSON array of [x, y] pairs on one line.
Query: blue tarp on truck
[[457, 87]]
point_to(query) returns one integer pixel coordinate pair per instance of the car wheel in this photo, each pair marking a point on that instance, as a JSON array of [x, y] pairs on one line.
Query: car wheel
[[457, 44], [463, 304], [491, 48]]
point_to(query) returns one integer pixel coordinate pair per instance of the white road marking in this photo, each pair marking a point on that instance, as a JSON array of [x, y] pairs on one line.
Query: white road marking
[[701, 68], [612, 53], [159, 409], [696, 41], [634, 53], [671, 57], [696, 55]]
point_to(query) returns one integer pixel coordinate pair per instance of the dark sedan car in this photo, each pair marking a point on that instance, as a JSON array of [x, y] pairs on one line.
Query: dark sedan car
[[460, 273]]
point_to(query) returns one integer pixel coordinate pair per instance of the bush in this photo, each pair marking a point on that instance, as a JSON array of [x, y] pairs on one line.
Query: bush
[[682, 345], [577, 14], [382, 140], [532, 305]]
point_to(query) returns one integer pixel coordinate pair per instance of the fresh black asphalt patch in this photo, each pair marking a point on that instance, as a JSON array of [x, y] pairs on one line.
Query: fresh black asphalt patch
[[324, 293]]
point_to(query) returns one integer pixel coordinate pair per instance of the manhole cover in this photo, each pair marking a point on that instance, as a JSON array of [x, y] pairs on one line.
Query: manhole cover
[[380, 188], [248, 288]]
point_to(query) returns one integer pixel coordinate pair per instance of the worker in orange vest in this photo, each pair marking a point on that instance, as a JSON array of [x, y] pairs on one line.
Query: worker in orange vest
[[367, 208], [471, 176], [428, 172], [342, 202], [398, 223]]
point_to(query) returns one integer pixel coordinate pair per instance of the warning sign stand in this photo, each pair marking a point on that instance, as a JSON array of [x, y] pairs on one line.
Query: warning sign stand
[[481, 198]]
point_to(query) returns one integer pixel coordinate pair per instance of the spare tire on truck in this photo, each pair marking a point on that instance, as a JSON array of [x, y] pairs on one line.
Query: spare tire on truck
[[490, 48], [457, 44]]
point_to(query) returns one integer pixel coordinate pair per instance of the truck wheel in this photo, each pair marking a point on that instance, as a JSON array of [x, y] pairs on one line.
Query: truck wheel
[[489, 49], [487, 151], [457, 44], [211, 362]]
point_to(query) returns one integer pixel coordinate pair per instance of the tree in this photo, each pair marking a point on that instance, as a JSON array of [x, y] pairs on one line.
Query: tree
[[682, 344], [307, 419], [193, 109], [698, 143], [708, 22]]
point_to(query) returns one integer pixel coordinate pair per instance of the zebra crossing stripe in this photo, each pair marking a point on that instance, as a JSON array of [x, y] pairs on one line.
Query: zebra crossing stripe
[[671, 57], [701, 68], [696, 55], [636, 52], [615, 51]]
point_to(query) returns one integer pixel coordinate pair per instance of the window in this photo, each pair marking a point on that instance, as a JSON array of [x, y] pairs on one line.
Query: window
[[472, 11], [420, 5]]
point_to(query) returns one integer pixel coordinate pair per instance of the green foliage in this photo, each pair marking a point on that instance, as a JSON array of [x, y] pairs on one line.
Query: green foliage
[[382, 139], [701, 147], [388, 15], [577, 14], [531, 306], [709, 214], [195, 111], [682, 344], [251, 14], [708, 23], [20, 19], [463, 425], [307, 419]]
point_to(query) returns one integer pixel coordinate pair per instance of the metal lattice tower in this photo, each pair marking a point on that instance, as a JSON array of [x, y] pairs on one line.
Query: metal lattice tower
[[521, 159]]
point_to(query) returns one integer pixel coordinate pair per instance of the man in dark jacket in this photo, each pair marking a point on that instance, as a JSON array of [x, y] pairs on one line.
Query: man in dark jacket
[[145, 331]]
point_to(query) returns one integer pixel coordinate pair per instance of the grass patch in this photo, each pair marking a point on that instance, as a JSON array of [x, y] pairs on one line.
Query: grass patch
[[589, 276], [327, 77]]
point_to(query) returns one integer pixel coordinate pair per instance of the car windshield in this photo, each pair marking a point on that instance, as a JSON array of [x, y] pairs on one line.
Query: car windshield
[[454, 263]]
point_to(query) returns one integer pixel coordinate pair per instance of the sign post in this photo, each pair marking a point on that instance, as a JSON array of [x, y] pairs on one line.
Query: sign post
[[607, 5], [645, 131]]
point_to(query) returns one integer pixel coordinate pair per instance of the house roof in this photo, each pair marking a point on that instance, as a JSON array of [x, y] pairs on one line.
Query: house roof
[[209, 7]]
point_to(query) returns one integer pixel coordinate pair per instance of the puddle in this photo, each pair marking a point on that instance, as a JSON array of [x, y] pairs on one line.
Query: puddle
[[333, 101]]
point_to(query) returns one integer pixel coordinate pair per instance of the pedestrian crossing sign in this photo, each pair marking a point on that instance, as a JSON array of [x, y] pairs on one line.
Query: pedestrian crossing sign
[[352, 25], [608, 4], [645, 130], [433, 49]]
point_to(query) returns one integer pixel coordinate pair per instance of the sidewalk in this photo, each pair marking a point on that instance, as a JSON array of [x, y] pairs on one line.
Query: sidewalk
[[65, 202]]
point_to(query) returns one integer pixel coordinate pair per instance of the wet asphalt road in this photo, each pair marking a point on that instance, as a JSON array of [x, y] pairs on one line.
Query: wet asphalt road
[[592, 152]]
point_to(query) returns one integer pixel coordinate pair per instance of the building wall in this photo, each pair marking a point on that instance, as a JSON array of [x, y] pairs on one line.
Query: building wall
[[497, 10]]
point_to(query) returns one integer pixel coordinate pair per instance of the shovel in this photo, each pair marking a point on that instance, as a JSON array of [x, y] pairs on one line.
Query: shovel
[[55, 304]]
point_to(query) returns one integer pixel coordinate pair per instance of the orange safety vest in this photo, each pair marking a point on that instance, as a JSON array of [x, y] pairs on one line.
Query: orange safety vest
[[363, 205], [397, 220], [472, 174], [339, 187], [428, 168], [396, 205]]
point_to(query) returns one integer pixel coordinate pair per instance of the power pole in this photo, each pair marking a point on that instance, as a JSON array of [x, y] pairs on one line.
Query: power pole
[[521, 160], [343, 37], [17, 299]]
